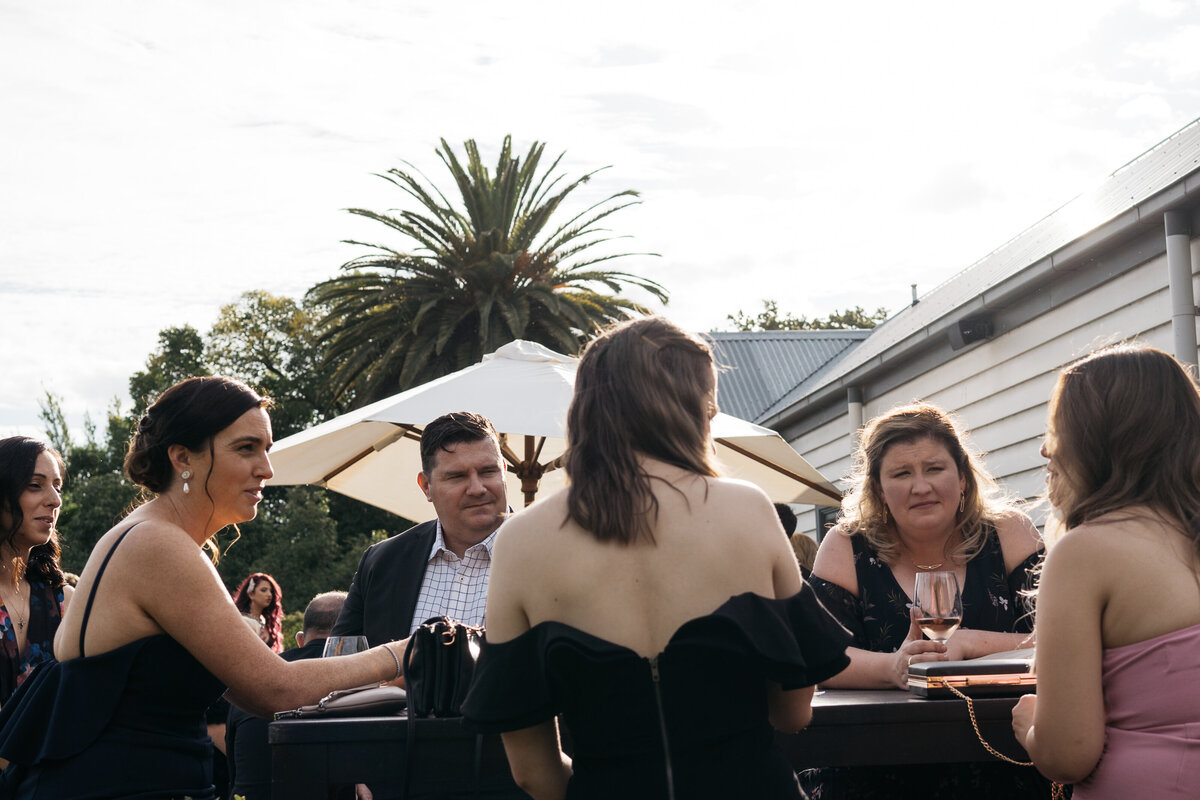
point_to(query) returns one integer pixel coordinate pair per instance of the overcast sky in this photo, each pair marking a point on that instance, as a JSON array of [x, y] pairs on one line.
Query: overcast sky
[[158, 159]]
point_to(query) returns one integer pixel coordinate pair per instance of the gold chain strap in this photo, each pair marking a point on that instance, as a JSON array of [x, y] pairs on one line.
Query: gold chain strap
[[1056, 788]]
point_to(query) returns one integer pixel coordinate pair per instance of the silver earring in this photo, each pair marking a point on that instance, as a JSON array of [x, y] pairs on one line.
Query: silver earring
[[187, 473]]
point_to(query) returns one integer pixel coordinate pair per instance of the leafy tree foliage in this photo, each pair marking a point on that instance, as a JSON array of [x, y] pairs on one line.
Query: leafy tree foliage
[[270, 342], [180, 355], [96, 492], [769, 319], [498, 267]]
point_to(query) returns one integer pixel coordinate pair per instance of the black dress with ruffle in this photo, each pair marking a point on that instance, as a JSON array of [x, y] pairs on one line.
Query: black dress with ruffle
[[128, 723], [690, 722]]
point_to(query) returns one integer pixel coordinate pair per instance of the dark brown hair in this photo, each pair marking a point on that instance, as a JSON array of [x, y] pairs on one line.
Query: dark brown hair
[[450, 429], [1124, 430], [18, 459], [643, 387]]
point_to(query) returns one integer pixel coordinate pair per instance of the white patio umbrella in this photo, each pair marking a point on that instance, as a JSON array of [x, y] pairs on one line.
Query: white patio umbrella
[[373, 454]]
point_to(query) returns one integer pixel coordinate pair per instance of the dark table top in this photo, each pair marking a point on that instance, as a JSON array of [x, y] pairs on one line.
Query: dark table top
[[849, 727]]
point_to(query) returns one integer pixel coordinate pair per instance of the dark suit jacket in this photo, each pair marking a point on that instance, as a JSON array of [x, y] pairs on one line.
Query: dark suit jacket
[[246, 745], [383, 594]]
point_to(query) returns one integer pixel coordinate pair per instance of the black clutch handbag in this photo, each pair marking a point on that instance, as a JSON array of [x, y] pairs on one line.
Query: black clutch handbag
[[439, 663], [364, 701], [981, 677]]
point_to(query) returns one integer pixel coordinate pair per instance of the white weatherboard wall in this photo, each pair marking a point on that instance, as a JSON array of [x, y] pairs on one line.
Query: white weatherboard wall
[[999, 389]]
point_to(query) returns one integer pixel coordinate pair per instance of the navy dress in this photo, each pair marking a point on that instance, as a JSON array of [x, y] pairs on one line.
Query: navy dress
[[128, 723], [689, 723], [879, 621], [45, 612]]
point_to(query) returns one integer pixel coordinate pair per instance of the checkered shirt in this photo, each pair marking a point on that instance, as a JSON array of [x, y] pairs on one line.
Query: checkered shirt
[[453, 586]]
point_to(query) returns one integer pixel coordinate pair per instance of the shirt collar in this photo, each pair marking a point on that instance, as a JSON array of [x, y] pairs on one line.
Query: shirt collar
[[439, 543]]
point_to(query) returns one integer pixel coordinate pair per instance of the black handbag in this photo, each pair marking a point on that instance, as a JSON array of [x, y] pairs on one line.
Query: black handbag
[[439, 663]]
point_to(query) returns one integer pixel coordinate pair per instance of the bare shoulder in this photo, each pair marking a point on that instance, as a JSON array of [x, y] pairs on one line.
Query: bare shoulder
[[835, 560], [1019, 539]]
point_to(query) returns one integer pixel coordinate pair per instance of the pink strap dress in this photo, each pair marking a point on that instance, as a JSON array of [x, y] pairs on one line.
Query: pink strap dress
[[1152, 731]]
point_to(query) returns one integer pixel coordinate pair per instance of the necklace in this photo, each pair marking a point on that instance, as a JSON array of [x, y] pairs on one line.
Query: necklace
[[12, 612], [927, 566]]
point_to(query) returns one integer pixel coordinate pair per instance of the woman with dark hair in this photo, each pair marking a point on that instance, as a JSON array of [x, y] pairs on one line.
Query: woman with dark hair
[[260, 600], [1117, 708], [121, 713], [32, 586], [921, 501], [668, 621]]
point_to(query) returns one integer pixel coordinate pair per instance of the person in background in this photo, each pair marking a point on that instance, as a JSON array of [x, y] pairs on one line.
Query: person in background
[[922, 502], [246, 745], [32, 587], [667, 612], [805, 548], [1117, 709], [260, 600], [140, 660]]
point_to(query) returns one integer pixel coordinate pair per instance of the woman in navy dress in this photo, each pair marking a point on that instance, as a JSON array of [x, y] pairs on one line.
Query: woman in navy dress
[[121, 713]]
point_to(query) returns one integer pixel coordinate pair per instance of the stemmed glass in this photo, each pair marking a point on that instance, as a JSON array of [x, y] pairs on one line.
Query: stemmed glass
[[344, 646], [938, 602]]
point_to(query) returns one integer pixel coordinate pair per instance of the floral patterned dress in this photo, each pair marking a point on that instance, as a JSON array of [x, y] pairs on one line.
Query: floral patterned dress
[[879, 621], [45, 612]]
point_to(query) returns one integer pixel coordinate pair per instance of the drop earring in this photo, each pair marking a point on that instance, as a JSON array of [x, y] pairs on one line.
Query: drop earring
[[187, 473], [962, 502]]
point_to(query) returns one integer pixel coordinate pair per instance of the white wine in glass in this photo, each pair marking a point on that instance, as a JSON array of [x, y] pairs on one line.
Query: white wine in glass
[[938, 602]]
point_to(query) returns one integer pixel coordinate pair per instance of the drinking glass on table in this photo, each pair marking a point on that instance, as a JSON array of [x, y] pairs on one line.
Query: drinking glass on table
[[938, 602], [344, 646]]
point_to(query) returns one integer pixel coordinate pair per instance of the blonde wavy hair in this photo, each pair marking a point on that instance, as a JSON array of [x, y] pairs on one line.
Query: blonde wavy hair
[[863, 509]]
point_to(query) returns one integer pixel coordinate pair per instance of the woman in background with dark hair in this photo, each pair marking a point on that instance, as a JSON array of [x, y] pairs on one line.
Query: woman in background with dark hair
[[668, 621], [1117, 708], [32, 586], [260, 600], [121, 713]]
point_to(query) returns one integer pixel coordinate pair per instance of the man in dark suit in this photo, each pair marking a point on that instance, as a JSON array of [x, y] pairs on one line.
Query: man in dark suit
[[246, 744], [440, 566]]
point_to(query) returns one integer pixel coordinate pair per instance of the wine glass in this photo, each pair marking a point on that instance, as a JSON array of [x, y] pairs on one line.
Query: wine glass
[[938, 602], [344, 646]]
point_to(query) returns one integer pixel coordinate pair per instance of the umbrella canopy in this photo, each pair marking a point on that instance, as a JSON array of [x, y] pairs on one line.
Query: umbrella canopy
[[373, 453]]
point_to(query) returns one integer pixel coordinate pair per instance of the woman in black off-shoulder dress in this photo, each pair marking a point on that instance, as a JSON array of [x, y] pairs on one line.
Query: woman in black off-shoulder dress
[[667, 625]]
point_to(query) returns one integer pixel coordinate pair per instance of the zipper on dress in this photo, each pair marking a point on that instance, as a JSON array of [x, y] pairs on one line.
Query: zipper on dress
[[662, 726]]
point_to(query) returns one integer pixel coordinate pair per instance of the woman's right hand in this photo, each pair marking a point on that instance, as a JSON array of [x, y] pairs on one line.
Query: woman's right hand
[[914, 650]]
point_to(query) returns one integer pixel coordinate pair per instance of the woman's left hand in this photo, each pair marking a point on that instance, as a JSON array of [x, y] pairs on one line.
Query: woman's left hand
[[1022, 717]]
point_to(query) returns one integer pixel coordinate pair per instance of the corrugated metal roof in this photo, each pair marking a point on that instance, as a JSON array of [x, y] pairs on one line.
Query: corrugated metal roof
[[1158, 168], [764, 366]]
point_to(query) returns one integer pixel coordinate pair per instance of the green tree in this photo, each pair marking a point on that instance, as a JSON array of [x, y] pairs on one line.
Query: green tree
[[769, 319], [270, 342], [498, 267], [96, 492], [180, 355]]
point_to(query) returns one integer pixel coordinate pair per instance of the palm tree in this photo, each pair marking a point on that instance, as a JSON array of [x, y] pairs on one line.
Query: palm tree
[[479, 276]]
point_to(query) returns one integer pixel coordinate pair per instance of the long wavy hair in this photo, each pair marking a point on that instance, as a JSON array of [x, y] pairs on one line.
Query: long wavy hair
[[863, 509], [643, 387], [1124, 431], [18, 459], [273, 613]]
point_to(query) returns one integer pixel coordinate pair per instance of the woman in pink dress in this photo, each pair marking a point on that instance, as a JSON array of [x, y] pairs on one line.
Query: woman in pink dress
[[1117, 710]]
